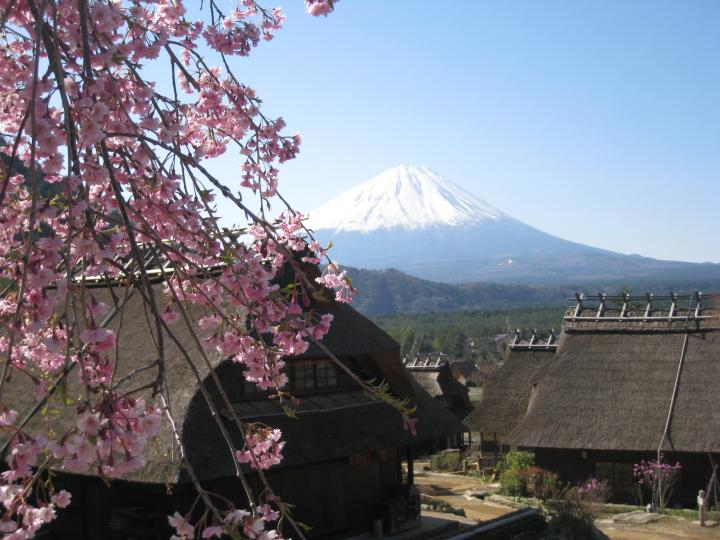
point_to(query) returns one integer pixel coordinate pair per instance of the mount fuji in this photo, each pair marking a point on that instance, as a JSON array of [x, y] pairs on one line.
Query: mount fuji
[[414, 220]]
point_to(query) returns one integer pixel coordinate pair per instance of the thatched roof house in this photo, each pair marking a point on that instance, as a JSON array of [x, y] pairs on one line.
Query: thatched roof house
[[343, 454], [435, 376], [466, 371], [507, 392], [629, 377]]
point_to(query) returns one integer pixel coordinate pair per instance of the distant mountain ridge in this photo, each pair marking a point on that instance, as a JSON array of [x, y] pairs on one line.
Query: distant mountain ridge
[[389, 292], [413, 219]]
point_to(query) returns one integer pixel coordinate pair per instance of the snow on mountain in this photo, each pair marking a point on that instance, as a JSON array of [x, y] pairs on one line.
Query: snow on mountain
[[412, 219], [409, 197]]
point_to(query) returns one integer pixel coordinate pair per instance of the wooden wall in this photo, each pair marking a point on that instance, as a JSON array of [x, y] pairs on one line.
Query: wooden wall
[[341, 495], [578, 465]]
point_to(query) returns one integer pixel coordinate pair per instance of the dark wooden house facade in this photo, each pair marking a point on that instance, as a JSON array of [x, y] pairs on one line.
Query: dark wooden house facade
[[343, 456], [630, 376]]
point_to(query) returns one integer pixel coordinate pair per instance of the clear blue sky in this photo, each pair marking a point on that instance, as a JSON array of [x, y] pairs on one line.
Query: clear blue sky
[[595, 121]]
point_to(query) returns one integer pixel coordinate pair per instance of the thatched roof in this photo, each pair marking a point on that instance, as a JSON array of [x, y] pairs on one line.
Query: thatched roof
[[436, 378], [611, 383], [506, 393], [465, 370], [314, 437], [351, 334], [439, 383], [327, 427]]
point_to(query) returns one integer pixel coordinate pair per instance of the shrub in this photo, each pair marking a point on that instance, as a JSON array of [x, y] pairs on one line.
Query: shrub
[[448, 460], [512, 483], [521, 478], [570, 518], [512, 477], [517, 460], [593, 491], [541, 483], [657, 478]]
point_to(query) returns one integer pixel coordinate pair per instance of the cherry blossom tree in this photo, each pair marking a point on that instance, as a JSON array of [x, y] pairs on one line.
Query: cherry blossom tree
[[101, 170]]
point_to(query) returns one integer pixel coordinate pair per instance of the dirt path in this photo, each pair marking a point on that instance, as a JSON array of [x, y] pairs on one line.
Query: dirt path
[[670, 528], [450, 489]]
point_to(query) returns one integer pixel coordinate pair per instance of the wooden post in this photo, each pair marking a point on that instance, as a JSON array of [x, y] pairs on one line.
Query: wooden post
[[648, 307], [601, 307], [411, 469], [702, 503], [626, 299], [579, 306]]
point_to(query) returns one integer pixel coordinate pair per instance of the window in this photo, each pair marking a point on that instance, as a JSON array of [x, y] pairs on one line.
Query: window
[[304, 376], [618, 475], [311, 374], [325, 374]]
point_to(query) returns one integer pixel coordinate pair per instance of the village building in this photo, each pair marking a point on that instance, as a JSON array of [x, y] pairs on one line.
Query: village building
[[344, 455], [443, 380], [507, 392], [466, 372], [434, 375], [631, 376]]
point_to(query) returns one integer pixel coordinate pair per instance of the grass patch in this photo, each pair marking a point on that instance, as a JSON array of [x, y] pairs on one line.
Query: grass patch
[[692, 515]]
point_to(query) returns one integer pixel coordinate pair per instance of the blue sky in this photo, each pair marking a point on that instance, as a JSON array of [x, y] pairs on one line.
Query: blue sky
[[597, 122]]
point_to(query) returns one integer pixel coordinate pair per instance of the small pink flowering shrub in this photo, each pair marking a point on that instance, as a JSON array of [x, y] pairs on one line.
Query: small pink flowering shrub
[[655, 481], [593, 491]]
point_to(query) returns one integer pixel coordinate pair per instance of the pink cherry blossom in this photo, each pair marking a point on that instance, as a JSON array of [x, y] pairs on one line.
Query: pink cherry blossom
[[319, 7], [107, 179], [181, 526], [212, 532], [61, 499], [7, 417]]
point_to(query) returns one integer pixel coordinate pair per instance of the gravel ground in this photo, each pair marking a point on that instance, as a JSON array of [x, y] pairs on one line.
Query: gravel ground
[[451, 488]]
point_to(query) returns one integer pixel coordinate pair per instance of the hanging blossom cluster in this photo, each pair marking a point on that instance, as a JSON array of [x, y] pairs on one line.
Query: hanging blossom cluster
[[263, 447], [101, 172]]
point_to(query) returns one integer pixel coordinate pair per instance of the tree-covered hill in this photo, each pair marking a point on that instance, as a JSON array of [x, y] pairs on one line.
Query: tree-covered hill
[[391, 291], [387, 292], [454, 332]]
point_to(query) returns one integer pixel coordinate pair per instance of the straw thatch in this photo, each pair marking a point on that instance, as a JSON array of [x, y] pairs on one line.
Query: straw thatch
[[610, 387], [438, 381], [507, 392], [314, 436], [327, 427]]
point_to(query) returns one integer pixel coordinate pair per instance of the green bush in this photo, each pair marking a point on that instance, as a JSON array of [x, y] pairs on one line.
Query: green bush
[[512, 483], [517, 460], [513, 478], [448, 460], [542, 484], [519, 477]]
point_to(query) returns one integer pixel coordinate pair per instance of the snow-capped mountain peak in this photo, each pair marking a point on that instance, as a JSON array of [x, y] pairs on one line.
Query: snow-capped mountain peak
[[407, 197]]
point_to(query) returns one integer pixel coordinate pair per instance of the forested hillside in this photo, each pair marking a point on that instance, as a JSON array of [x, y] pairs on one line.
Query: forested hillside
[[387, 292], [382, 292], [450, 332]]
